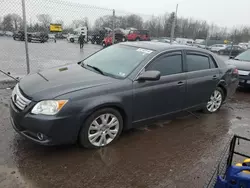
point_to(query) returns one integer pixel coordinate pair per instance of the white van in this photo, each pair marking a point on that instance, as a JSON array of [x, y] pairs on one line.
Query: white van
[[80, 30]]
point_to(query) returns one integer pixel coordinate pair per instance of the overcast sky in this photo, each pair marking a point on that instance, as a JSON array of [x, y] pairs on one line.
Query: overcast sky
[[223, 13]]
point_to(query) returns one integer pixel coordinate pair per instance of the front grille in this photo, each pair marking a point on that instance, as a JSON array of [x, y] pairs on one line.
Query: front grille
[[18, 99]]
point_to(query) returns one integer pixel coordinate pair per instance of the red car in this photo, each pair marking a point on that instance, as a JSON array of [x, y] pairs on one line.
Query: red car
[[119, 37], [138, 35]]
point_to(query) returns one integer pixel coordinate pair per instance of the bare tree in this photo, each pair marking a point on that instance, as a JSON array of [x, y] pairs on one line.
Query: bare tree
[[7, 23], [17, 21], [44, 19], [135, 21], [59, 22], [80, 22]]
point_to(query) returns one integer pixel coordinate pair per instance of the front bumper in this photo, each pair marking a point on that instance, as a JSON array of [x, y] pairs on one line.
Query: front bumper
[[244, 81], [56, 130]]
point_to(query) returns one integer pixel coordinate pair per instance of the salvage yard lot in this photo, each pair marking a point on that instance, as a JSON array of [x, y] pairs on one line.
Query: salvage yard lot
[[180, 152]]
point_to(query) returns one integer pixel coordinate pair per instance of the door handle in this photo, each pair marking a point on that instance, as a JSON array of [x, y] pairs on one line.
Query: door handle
[[214, 77], [180, 83]]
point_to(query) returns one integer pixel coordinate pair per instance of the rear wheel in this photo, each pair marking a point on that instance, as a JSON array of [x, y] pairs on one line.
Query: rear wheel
[[72, 40], [215, 101], [103, 45], [137, 39], [101, 128], [221, 52]]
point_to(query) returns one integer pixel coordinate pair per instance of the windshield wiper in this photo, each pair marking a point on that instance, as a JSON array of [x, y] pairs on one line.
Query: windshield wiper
[[95, 68]]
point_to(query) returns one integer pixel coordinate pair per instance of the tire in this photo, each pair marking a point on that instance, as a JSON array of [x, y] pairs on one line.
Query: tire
[[104, 45], [29, 40], [123, 39], [72, 40], [137, 39], [214, 104], [14, 38], [221, 52], [98, 141]]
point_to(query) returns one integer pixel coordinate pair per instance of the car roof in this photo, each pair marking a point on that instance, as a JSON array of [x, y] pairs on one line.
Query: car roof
[[159, 46]]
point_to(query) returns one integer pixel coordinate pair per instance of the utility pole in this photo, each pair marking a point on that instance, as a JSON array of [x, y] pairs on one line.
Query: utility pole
[[173, 25], [26, 36], [113, 27], [232, 43]]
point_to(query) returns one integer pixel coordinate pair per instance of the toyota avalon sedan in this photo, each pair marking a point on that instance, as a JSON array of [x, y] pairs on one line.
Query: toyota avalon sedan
[[118, 88]]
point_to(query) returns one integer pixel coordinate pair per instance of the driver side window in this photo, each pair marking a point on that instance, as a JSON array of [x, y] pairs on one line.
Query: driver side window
[[167, 64]]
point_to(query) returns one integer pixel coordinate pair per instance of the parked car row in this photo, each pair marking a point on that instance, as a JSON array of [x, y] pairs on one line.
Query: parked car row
[[6, 33], [105, 36], [32, 37], [242, 62]]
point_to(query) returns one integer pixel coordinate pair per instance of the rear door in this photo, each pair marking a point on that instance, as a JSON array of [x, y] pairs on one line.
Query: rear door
[[202, 77], [156, 98]]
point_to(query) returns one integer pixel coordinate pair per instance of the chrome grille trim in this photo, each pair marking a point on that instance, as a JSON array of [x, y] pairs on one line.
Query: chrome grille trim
[[18, 99]]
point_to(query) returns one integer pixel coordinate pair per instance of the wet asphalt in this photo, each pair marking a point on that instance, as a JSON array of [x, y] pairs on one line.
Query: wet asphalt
[[41, 55], [173, 153]]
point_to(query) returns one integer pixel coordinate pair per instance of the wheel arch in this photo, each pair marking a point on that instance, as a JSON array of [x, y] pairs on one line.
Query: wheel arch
[[222, 84], [112, 104]]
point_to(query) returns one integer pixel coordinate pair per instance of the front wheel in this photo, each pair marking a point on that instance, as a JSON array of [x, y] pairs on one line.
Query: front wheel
[[215, 101], [72, 40], [101, 128]]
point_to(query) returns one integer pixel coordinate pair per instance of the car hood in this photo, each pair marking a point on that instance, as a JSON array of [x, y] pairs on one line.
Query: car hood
[[54, 82], [241, 65]]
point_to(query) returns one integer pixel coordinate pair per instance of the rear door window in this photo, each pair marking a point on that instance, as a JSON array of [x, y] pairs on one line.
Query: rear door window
[[196, 62]]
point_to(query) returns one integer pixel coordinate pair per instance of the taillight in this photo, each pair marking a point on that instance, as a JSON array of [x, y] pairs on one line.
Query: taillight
[[235, 71]]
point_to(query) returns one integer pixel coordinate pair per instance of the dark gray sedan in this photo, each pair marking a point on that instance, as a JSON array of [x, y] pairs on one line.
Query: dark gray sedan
[[118, 88], [242, 63]]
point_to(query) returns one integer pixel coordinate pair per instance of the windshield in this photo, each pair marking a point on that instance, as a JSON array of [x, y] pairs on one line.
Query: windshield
[[118, 60], [244, 56]]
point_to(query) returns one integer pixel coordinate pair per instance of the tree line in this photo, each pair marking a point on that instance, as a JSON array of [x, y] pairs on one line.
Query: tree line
[[158, 26]]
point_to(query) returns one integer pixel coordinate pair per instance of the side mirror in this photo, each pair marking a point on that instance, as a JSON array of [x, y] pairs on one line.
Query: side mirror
[[150, 76]]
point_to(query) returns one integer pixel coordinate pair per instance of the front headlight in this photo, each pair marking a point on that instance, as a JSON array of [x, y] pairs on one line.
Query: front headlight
[[48, 107]]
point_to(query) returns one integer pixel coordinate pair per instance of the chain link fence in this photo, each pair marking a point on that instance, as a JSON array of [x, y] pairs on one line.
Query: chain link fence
[[48, 49]]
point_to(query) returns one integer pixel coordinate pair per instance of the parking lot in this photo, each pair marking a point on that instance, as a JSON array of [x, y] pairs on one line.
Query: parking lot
[[180, 152], [42, 55]]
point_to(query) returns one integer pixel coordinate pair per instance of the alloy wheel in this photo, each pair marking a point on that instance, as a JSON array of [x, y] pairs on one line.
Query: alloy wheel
[[103, 129], [215, 101]]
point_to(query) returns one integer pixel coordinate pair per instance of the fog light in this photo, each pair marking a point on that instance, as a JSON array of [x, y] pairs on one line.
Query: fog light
[[40, 136]]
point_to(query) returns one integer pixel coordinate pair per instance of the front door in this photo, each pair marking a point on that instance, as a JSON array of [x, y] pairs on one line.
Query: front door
[[202, 78], [156, 98]]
